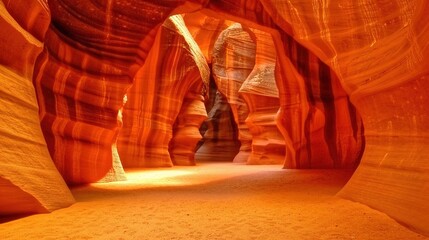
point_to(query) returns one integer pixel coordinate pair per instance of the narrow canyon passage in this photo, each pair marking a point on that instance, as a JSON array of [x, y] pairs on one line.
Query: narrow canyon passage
[[91, 89], [213, 201]]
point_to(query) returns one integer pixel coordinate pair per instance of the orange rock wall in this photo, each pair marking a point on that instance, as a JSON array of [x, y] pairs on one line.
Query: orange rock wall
[[379, 51], [233, 60], [261, 95], [92, 52], [186, 131], [220, 133], [205, 30], [174, 69], [29, 181]]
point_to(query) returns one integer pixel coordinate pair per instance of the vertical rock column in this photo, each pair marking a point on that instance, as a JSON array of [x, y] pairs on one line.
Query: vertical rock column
[[220, 135], [233, 60], [29, 181], [331, 133], [186, 132], [261, 95], [92, 51], [175, 67]]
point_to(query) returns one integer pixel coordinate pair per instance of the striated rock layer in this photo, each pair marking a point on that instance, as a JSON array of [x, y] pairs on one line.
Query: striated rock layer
[[186, 132], [29, 181], [205, 30], [261, 95], [92, 51], [175, 69], [220, 134], [378, 51], [328, 131], [233, 60]]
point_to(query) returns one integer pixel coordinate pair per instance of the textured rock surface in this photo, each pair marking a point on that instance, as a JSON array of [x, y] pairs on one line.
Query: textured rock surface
[[220, 133], [380, 51], [186, 132], [233, 60], [262, 97], [175, 67], [92, 52], [29, 181], [205, 30], [328, 131]]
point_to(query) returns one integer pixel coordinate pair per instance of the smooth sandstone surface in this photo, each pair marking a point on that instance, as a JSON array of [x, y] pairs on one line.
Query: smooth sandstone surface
[[174, 75], [233, 59], [260, 93], [29, 181]]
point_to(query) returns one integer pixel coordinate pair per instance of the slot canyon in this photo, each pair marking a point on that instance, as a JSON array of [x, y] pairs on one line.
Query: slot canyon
[[214, 119]]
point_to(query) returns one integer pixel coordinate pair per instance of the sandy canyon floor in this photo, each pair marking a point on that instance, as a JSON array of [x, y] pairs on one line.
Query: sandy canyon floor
[[213, 201]]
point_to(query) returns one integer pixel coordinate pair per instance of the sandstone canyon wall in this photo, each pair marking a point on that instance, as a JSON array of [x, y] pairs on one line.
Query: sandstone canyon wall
[[233, 59], [262, 98], [220, 133], [175, 74], [374, 53], [29, 181], [379, 51], [93, 51]]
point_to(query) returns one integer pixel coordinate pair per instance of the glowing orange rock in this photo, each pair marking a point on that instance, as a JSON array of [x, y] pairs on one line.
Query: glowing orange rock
[[29, 181], [175, 68], [220, 133], [380, 52], [378, 49], [205, 30], [316, 115], [186, 132], [92, 52], [233, 60], [261, 95]]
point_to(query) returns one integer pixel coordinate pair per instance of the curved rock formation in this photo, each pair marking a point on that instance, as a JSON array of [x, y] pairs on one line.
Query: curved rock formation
[[205, 30], [378, 51], [186, 132], [220, 134], [262, 97], [175, 67], [233, 60], [29, 181], [92, 52], [331, 132]]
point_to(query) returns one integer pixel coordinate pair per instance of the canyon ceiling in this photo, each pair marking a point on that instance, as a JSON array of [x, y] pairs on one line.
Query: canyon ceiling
[[88, 87]]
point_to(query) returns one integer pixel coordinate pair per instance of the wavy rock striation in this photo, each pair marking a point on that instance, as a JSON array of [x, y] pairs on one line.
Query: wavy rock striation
[[175, 74], [372, 53], [233, 60], [262, 98], [29, 181]]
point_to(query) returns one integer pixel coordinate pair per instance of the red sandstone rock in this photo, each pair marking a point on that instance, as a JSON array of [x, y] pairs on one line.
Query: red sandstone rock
[[29, 181], [186, 133], [205, 30], [233, 60], [175, 67], [220, 133], [261, 95]]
